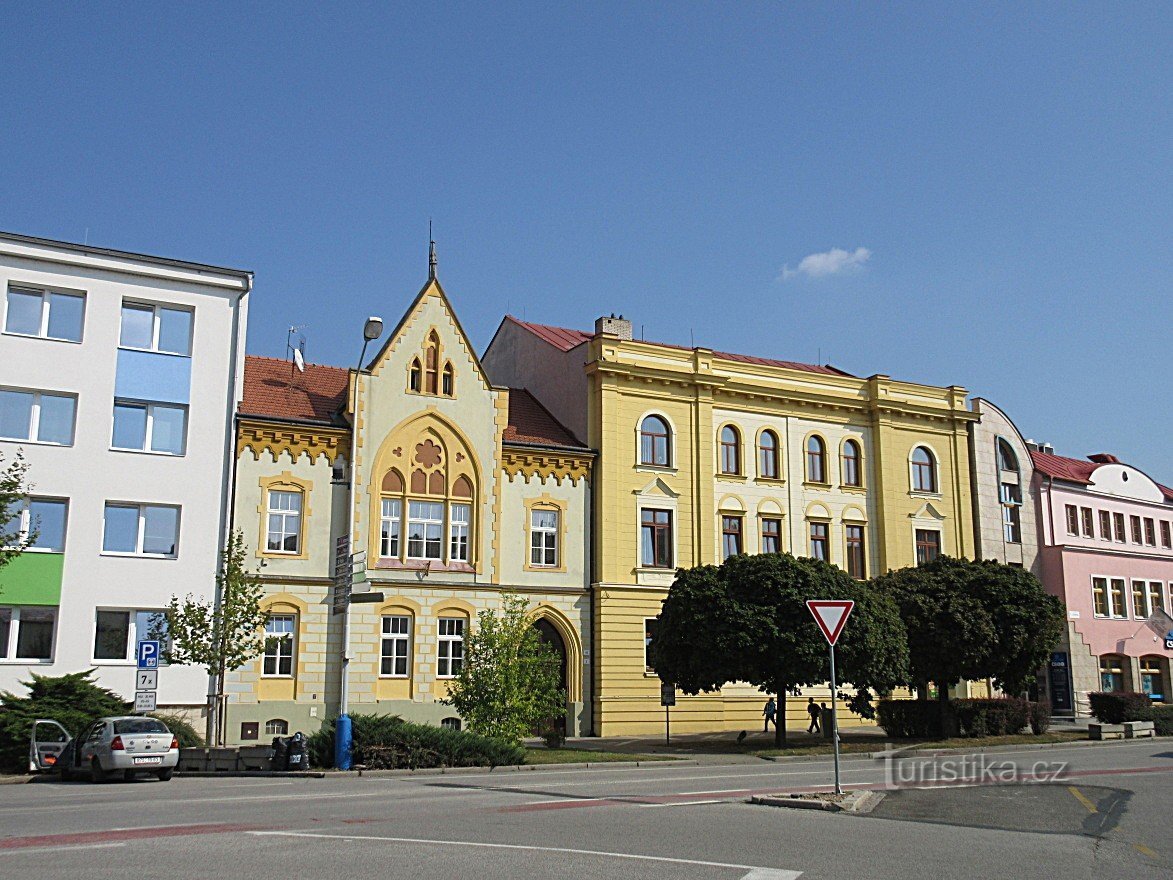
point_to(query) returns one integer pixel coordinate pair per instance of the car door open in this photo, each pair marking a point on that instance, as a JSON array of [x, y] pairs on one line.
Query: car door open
[[48, 739]]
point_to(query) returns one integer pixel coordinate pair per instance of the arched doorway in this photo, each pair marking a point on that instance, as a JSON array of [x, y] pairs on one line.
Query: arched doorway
[[550, 636]]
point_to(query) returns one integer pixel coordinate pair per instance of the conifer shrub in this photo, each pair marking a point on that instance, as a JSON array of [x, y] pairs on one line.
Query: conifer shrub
[[387, 742]]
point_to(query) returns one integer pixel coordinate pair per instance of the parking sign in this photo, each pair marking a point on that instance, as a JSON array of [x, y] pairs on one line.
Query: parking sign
[[148, 654]]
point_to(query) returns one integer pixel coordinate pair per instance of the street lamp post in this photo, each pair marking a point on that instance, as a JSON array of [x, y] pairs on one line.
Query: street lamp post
[[343, 738]]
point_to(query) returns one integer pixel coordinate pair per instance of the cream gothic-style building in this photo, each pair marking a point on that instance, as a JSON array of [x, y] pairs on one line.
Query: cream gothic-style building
[[464, 490]]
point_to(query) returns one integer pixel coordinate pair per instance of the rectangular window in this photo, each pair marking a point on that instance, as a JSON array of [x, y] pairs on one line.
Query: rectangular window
[[1156, 597], [1166, 534], [656, 538], [389, 530], [1140, 599], [278, 660], [1105, 525], [26, 633], [425, 529], [819, 541], [1100, 596], [395, 646], [141, 530], [156, 328], [1150, 532], [117, 632], [46, 517], [928, 545], [771, 535], [543, 537], [1072, 519], [1118, 526], [284, 528], [1011, 513], [1116, 594], [458, 531], [38, 416], [1087, 522], [1134, 522], [44, 313], [149, 427], [730, 536], [856, 559], [651, 624], [450, 647]]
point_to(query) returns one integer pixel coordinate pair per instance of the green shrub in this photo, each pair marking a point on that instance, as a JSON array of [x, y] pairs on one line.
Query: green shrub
[[1040, 717], [1161, 716], [1116, 707], [73, 700], [389, 742], [1004, 716], [904, 719], [181, 728]]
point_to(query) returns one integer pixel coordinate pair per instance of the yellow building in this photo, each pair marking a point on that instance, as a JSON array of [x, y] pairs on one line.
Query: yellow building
[[464, 490], [704, 453]]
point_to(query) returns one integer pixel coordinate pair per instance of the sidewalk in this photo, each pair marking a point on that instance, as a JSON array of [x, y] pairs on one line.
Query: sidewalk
[[721, 747]]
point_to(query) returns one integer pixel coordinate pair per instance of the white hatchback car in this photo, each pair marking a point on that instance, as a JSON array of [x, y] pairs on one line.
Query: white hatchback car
[[129, 744]]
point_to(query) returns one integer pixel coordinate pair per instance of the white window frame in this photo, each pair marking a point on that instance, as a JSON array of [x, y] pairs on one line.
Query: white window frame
[[25, 524], [142, 530], [1125, 598], [543, 539], [459, 532], [391, 528], [46, 304], [400, 644], [934, 470], [149, 431], [425, 522], [34, 426], [155, 308], [286, 515], [271, 728], [14, 635], [282, 638], [132, 635], [1011, 512], [450, 646]]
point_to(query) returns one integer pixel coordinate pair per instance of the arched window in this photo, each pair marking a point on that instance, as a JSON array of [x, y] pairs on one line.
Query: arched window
[[449, 380], [1007, 460], [432, 364], [414, 375], [428, 516], [852, 471], [924, 470], [276, 727], [653, 442], [768, 455], [1111, 672], [816, 459], [730, 450]]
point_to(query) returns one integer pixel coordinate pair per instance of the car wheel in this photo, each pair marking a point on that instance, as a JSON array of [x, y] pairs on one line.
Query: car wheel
[[97, 774], [165, 775]]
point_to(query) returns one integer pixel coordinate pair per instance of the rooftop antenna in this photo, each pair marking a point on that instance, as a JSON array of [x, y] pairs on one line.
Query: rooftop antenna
[[87, 241], [691, 340], [431, 253], [295, 350]]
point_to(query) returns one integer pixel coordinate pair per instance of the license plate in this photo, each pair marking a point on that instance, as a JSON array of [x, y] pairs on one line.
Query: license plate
[[156, 760]]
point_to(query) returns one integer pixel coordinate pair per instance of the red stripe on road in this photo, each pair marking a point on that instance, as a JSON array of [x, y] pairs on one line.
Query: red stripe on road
[[121, 834]]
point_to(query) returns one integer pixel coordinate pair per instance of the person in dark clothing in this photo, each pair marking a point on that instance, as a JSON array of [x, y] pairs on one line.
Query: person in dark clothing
[[813, 711], [770, 711]]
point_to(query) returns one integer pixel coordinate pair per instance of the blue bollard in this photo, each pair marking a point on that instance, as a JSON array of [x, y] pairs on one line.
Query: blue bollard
[[343, 742]]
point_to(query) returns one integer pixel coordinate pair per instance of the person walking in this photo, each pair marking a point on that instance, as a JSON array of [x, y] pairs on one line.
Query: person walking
[[770, 711], [813, 711]]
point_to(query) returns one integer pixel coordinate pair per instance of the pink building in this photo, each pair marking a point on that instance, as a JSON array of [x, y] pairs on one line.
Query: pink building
[[1106, 535]]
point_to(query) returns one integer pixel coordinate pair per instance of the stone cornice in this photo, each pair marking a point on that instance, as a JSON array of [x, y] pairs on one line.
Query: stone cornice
[[529, 463], [258, 436]]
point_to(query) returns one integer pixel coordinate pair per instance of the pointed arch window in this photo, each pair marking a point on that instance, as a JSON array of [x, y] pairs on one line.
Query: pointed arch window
[[816, 459], [924, 470], [730, 450], [852, 470], [427, 517], [768, 455], [654, 442], [414, 375], [432, 364], [448, 383]]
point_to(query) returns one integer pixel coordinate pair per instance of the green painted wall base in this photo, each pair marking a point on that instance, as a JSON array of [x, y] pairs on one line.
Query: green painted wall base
[[32, 579]]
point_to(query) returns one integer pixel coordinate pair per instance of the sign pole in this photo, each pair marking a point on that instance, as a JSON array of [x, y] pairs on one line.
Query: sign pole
[[667, 726], [835, 724]]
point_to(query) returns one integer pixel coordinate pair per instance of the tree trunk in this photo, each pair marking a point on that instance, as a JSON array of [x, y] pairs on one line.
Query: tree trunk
[[948, 721], [780, 721]]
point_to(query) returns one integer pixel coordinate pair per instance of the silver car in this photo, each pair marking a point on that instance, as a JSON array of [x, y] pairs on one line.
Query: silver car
[[129, 744]]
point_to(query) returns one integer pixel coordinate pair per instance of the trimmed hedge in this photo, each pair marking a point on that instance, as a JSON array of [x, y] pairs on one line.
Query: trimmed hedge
[[387, 742], [922, 719], [1116, 707], [907, 719], [1005, 716], [1161, 716]]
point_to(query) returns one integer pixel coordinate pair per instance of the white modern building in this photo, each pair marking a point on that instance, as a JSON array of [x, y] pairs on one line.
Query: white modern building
[[119, 379]]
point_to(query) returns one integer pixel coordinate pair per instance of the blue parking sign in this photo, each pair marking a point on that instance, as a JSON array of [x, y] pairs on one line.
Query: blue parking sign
[[148, 654]]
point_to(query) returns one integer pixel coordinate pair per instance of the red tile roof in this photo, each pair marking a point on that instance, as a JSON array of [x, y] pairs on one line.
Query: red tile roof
[[1074, 470], [530, 422], [274, 389], [565, 339]]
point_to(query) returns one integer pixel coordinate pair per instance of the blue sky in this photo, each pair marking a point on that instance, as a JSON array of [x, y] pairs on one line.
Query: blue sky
[[997, 178]]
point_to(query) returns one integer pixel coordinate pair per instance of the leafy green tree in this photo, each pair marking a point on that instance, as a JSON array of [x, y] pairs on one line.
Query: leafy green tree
[[510, 681], [13, 492], [747, 620], [73, 700], [974, 620], [220, 636]]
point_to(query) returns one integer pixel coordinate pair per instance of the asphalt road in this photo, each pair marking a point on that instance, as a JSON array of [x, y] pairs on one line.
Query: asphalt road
[[1107, 816]]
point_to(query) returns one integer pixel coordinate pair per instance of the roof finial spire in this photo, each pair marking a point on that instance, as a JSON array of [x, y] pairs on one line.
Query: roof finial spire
[[431, 253]]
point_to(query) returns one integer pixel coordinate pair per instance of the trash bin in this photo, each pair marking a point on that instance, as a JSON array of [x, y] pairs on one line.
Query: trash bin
[[298, 752], [279, 759]]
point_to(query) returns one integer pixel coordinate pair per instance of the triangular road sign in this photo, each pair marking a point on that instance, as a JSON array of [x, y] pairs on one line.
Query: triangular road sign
[[830, 615]]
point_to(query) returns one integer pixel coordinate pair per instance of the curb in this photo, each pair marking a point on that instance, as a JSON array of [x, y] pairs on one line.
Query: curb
[[278, 774], [516, 768], [16, 780], [914, 752], [857, 803]]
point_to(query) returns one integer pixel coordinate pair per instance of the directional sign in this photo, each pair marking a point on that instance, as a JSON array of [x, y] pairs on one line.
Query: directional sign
[[830, 615], [148, 654], [147, 680], [144, 701]]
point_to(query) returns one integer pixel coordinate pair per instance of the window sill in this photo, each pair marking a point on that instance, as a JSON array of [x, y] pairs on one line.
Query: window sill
[[854, 490], [737, 478], [276, 677], [770, 481], [28, 662], [394, 678], [154, 452], [657, 468], [932, 496], [49, 443], [155, 351], [118, 555], [814, 485], [42, 338], [422, 565]]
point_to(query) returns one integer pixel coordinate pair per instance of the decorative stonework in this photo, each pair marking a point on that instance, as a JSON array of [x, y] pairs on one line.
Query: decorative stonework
[[538, 463], [257, 437]]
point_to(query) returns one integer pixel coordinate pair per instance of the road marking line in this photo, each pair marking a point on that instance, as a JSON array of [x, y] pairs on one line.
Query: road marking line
[[1144, 850], [686, 803], [1082, 798], [59, 849], [755, 870]]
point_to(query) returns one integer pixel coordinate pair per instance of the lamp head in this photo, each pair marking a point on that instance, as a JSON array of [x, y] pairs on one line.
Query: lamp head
[[373, 329]]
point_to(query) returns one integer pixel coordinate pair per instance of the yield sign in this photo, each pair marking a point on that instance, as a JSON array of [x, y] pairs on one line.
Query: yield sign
[[830, 615]]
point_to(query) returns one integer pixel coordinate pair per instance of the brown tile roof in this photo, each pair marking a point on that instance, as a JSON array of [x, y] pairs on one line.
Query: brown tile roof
[[1074, 470], [530, 422], [565, 339], [274, 389]]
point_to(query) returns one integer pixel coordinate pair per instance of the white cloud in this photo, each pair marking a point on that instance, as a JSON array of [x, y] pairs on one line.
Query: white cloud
[[833, 262]]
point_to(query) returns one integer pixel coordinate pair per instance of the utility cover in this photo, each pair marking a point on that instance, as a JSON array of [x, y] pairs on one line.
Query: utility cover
[[830, 615]]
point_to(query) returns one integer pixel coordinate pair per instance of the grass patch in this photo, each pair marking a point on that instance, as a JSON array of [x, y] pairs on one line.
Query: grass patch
[[873, 744], [585, 756]]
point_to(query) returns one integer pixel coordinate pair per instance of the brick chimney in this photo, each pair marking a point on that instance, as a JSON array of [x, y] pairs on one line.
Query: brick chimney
[[620, 326]]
